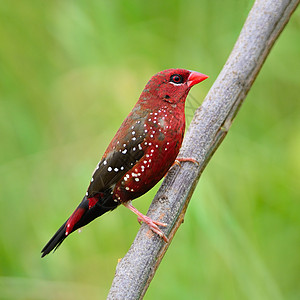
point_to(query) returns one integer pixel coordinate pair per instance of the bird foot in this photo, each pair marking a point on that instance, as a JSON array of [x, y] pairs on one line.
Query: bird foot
[[143, 219], [153, 225], [182, 159]]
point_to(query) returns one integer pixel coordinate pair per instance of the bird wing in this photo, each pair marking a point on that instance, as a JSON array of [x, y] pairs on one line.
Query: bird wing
[[121, 156]]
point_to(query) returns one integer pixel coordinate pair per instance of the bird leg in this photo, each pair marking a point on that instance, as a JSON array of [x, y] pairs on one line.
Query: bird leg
[[153, 225]]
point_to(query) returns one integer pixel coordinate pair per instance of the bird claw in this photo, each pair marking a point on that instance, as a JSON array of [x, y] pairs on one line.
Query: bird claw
[[182, 159], [155, 229], [153, 225], [150, 222]]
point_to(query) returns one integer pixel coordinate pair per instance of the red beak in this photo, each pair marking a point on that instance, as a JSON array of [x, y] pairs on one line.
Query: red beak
[[195, 78]]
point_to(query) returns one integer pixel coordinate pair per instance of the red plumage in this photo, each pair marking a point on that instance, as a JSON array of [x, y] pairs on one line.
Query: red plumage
[[139, 155]]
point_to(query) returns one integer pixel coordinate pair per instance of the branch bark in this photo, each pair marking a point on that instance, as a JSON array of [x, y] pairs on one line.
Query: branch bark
[[208, 128]]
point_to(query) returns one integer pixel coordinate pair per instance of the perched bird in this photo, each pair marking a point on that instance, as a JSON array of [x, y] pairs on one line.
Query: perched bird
[[139, 155]]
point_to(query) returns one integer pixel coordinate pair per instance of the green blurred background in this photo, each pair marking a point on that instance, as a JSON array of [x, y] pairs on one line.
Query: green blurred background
[[70, 71]]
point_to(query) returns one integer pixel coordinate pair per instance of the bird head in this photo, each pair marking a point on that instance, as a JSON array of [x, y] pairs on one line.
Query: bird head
[[171, 85]]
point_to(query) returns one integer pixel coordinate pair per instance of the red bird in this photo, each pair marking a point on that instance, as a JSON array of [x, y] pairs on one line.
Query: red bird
[[139, 155]]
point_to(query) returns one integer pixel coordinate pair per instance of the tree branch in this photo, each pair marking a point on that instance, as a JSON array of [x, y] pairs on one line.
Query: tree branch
[[208, 128]]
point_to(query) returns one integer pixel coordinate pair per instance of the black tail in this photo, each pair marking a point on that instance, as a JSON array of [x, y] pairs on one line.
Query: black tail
[[80, 217]]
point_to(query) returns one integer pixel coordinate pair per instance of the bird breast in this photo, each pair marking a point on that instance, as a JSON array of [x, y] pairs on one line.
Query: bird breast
[[163, 132]]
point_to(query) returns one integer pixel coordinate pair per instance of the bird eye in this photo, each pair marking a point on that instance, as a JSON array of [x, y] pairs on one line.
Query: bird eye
[[176, 78]]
